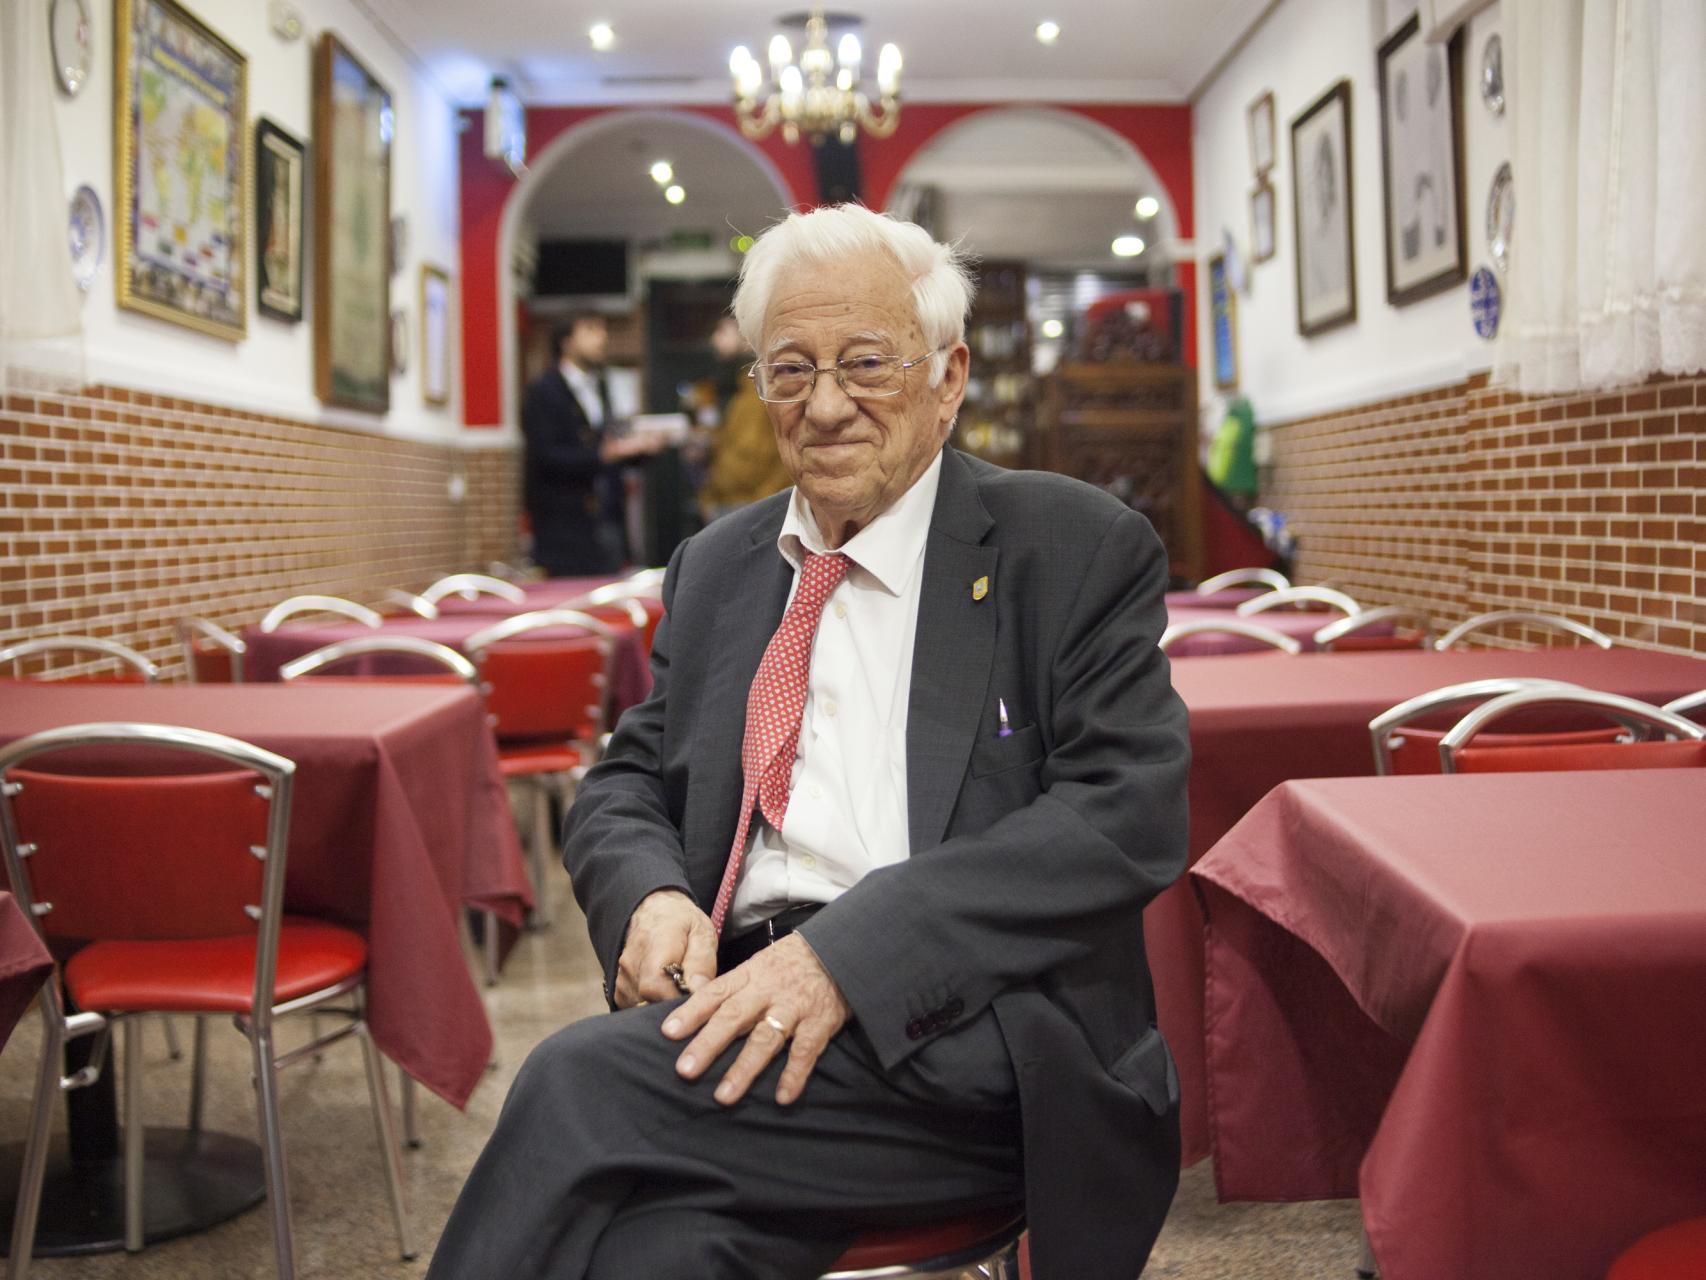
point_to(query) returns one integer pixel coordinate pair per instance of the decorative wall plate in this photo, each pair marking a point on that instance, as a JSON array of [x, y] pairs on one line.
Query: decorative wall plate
[[87, 231], [399, 341], [1501, 216], [1493, 74], [1486, 301], [73, 39]]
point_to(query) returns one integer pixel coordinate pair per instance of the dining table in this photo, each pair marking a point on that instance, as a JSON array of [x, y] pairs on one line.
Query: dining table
[[24, 964], [1478, 1002], [1260, 719], [399, 822], [1297, 624]]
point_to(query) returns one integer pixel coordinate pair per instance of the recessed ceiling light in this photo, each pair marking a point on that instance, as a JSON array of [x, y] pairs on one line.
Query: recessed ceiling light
[[674, 193], [1048, 32], [1148, 207], [1053, 328], [1127, 246], [662, 171], [601, 34]]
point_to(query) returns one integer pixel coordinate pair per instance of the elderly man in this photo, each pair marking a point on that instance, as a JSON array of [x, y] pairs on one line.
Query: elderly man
[[911, 767]]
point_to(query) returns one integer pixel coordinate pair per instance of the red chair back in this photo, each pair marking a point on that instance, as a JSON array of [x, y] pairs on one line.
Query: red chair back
[[212, 664], [1416, 751], [1535, 758], [546, 688], [143, 857], [1380, 644], [381, 677]]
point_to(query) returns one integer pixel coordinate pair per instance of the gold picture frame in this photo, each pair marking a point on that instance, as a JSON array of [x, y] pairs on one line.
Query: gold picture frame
[[181, 169], [354, 126], [437, 318]]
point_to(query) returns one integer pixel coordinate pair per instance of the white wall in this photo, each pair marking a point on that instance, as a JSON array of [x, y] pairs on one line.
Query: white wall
[[1298, 51], [272, 369]]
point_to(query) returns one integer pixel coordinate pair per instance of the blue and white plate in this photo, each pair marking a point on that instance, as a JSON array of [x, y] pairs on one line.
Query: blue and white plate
[[88, 236]]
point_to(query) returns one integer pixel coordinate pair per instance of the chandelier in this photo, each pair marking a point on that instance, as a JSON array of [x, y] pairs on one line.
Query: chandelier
[[819, 95]]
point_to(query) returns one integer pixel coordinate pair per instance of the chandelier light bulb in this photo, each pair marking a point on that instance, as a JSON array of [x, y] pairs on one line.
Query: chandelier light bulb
[[1128, 246], [888, 69], [738, 60], [601, 34], [792, 81], [662, 172], [781, 53], [674, 193], [848, 52], [1148, 207]]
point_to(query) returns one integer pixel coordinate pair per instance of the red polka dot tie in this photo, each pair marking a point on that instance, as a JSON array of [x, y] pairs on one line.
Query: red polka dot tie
[[773, 712]]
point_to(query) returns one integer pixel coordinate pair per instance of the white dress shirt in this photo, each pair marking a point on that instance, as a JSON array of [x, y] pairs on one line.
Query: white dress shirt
[[585, 387], [847, 810]]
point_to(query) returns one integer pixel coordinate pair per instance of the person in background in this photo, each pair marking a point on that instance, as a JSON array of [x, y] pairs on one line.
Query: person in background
[[745, 464], [572, 471]]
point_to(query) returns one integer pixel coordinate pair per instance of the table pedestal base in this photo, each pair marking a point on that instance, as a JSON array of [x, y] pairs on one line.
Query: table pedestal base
[[192, 1181]]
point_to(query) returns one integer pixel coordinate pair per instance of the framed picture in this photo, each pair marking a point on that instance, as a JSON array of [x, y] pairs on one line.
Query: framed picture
[[1223, 321], [180, 168], [435, 335], [1421, 162], [281, 173], [1261, 115], [1262, 221], [353, 127], [1321, 212]]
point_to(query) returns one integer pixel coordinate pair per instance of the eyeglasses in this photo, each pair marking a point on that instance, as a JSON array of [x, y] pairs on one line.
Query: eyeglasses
[[862, 377]]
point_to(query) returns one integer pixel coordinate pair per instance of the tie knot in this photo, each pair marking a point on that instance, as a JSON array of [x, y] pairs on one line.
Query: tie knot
[[821, 574]]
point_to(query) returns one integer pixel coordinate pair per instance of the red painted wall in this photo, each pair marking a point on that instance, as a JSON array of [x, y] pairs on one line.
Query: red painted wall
[[1162, 133]]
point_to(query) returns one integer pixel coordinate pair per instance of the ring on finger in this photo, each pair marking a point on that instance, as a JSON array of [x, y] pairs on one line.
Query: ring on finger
[[776, 1024]]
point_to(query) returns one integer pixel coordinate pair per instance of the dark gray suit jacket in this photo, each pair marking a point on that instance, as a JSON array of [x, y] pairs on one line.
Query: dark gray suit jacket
[[1032, 855]]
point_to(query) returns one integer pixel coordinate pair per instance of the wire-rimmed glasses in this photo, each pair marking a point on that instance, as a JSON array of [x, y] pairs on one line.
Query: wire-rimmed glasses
[[862, 377]]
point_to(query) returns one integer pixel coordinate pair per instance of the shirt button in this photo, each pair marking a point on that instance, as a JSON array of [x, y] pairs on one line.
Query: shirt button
[[808, 862], [841, 611], [829, 707], [815, 791]]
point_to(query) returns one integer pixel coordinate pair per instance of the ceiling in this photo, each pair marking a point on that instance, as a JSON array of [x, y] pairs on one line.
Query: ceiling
[[675, 51]]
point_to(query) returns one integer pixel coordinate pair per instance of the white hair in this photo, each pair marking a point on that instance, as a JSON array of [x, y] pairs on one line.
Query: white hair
[[941, 285]]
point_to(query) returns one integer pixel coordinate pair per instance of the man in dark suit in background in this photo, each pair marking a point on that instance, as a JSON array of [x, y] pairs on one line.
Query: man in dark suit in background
[[911, 767], [572, 474]]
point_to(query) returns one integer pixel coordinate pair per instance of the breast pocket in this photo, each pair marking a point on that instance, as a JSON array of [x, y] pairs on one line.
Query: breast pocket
[[996, 755]]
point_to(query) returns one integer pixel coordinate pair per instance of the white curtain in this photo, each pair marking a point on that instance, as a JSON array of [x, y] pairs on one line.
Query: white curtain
[[1607, 280], [41, 327]]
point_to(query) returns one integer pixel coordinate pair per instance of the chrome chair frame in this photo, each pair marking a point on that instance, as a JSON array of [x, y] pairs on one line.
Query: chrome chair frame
[[1689, 702], [122, 653], [1230, 626], [993, 1258], [627, 600], [1631, 713], [1273, 579], [361, 646], [189, 628], [1328, 596], [1333, 632], [417, 605], [1548, 621], [319, 604], [1384, 729], [471, 586], [279, 777]]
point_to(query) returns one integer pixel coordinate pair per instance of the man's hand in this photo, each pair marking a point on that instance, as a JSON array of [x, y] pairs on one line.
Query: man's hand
[[666, 928], [782, 996]]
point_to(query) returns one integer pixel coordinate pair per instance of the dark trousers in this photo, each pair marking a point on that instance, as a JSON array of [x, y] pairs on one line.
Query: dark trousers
[[606, 1165]]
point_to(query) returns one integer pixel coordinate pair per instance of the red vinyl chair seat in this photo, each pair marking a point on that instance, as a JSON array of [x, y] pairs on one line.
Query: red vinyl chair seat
[[523, 759], [904, 1246], [1676, 1252], [1381, 644], [1419, 750], [211, 975], [1613, 755]]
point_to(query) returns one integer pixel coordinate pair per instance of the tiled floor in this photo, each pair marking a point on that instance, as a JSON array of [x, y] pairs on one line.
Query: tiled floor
[[343, 1226]]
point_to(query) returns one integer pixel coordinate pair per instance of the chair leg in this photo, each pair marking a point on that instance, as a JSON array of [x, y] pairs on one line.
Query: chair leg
[[134, 1135], [489, 947], [174, 1049], [1367, 1267], [541, 852], [388, 1151], [411, 1119], [272, 1150], [35, 1146], [198, 1073]]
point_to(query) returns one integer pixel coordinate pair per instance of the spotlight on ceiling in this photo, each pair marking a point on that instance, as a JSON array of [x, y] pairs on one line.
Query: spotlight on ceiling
[[1053, 328], [1148, 207], [1127, 246], [601, 34], [662, 171], [1048, 32], [674, 193]]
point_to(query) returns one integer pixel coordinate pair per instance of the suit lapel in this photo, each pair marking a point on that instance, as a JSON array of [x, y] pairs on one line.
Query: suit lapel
[[952, 653]]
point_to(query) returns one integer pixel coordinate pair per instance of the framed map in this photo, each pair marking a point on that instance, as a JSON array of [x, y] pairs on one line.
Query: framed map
[[180, 168], [281, 171], [353, 126]]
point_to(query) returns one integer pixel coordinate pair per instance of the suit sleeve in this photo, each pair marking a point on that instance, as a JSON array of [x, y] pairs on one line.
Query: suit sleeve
[[1035, 890], [620, 842], [559, 445]]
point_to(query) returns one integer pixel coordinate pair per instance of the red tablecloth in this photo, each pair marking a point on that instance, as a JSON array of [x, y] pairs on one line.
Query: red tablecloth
[[399, 818], [1300, 626], [24, 964], [630, 675], [550, 593], [1490, 990], [1261, 719]]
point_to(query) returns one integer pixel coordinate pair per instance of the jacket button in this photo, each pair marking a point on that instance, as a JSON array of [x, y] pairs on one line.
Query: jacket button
[[915, 1030], [954, 1008]]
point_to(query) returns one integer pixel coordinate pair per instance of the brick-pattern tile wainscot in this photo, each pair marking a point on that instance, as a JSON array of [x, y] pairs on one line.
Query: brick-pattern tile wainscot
[[121, 512], [1469, 498]]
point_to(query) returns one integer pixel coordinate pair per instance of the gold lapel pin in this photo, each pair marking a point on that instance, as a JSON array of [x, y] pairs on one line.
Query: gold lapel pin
[[980, 588]]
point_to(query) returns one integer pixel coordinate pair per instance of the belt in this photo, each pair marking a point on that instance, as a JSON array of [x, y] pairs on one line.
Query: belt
[[743, 946]]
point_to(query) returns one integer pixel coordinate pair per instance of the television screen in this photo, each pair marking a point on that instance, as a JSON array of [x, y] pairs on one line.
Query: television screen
[[568, 268]]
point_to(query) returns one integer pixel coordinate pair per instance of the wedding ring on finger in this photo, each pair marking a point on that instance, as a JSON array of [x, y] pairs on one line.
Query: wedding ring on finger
[[776, 1024]]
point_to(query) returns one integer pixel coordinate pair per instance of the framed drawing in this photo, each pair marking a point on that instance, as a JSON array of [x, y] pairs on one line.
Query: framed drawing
[[1321, 212], [435, 335], [1421, 162], [1261, 115], [180, 168], [1222, 324], [1262, 221], [353, 126], [281, 163]]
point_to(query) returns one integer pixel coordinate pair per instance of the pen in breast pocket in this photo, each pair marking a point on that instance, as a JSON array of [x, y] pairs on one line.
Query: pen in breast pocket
[[1005, 730]]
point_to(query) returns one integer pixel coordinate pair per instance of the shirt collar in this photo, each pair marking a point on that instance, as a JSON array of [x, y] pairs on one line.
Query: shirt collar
[[574, 375], [889, 548]]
